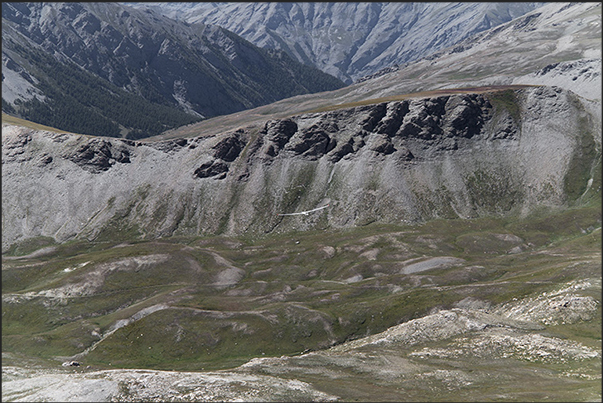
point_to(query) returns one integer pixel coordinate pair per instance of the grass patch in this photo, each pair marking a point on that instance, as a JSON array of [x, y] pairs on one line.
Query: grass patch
[[504, 100], [29, 245]]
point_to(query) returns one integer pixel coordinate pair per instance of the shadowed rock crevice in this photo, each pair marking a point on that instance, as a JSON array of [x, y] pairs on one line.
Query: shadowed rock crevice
[[391, 122], [277, 134], [465, 115], [216, 168], [313, 143]]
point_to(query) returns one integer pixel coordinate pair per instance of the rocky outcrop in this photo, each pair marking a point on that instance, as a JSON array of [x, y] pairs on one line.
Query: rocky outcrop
[[97, 155], [451, 156]]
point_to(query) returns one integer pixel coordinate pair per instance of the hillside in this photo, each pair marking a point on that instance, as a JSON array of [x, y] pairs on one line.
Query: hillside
[[429, 233], [349, 40], [108, 70], [501, 152], [558, 45], [473, 310]]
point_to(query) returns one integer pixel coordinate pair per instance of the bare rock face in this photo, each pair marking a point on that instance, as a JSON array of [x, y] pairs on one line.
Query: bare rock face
[[452, 156]]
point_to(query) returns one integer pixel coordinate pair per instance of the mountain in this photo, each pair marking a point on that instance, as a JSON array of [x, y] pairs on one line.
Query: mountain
[[558, 45], [460, 248], [135, 73], [349, 40], [430, 232], [236, 172], [451, 154]]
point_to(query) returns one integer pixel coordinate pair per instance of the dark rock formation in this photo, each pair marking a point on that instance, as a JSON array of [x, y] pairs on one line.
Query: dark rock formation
[[229, 148], [99, 155], [312, 143], [217, 169]]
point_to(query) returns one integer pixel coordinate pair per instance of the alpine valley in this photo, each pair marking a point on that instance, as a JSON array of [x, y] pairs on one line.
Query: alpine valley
[[406, 210]]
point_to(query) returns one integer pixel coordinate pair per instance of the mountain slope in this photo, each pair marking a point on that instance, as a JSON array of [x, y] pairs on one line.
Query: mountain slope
[[473, 154], [343, 148], [349, 40], [559, 45], [451, 246], [128, 71]]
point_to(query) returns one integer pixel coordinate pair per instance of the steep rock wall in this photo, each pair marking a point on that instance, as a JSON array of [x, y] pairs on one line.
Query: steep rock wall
[[451, 156]]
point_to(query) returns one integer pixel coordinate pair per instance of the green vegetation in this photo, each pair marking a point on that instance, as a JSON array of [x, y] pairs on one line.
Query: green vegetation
[[288, 293], [492, 192], [12, 120], [585, 164], [72, 94], [499, 96], [30, 245]]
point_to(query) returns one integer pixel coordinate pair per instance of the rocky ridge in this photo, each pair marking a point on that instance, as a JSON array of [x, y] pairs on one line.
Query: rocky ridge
[[459, 155], [522, 51]]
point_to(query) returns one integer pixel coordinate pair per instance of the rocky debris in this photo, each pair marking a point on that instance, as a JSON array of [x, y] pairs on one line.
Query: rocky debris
[[345, 148], [384, 146], [375, 114], [465, 115], [45, 159], [497, 343], [71, 364], [390, 123], [276, 134], [170, 145], [312, 143], [529, 314], [582, 76], [34, 385], [155, 386], [224, 152], [14, 147], [382, 72], [564, 306]]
